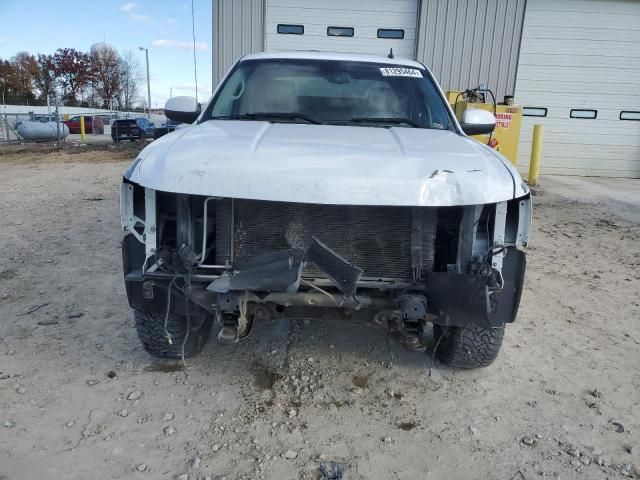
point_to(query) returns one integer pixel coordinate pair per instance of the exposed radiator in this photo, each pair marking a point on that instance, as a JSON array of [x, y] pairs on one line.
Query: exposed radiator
[[376, 239]]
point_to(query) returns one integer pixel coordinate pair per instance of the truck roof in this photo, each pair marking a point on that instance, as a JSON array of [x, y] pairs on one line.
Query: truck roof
[[348, 57]]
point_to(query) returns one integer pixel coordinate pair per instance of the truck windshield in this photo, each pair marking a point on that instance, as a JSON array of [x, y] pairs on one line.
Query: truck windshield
[[330, 92]]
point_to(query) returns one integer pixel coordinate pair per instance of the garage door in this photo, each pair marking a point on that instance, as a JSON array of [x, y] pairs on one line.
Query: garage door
[[342, 26], [578, 73]]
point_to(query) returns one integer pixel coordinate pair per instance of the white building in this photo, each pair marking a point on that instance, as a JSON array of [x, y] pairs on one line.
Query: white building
[[573, 64]]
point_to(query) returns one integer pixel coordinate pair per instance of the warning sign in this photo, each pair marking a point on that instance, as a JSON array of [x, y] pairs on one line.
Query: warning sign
[[503, 120]]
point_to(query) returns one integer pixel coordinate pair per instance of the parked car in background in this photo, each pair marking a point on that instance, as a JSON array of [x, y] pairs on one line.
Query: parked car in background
[[168, 126], [97, 125], [106, 119], [42, 117], [74, 124], [33, 117], [125, 129], [131, 129], [146, 126]]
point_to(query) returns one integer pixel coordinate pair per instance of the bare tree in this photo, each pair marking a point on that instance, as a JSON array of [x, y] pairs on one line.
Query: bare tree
[[131, 78], [141, 106]]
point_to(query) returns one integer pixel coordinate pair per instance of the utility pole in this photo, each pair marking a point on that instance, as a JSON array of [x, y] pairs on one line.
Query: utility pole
[[146, 51], [57, 120]]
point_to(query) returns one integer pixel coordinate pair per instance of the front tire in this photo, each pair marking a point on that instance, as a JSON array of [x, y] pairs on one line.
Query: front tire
[[467, 347], [152, 334]]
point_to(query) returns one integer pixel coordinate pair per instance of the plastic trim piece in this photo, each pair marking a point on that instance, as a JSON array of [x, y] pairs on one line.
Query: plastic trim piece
[[150, 230], [128, 218]]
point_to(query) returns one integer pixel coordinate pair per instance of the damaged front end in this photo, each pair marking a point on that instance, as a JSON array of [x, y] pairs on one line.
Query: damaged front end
[[242, 259]]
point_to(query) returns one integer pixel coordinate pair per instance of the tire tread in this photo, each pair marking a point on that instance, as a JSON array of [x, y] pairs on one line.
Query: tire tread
[[150, 328], [469, 347]]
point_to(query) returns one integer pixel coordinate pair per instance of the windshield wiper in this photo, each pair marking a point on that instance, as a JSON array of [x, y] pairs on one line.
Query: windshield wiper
[[269, 116], [392, 120]]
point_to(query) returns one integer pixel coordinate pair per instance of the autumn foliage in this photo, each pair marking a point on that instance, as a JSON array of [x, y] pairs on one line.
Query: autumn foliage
[[99, 79]]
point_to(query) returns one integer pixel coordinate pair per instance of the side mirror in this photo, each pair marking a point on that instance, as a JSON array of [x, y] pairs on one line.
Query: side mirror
[[477, 122], [182, 109]]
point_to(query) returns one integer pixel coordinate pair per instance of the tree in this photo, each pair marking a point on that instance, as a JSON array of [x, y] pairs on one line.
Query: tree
[[6, 76], [106, 71], [131, 78], [46, 77], [74, 71], [142, 105], [25, 68]]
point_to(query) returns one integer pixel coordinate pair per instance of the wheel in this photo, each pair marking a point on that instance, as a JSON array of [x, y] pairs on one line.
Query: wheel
[[467, 347], [152, 334]]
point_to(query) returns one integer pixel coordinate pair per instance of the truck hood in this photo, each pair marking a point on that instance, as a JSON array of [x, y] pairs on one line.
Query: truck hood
[[326, 164]]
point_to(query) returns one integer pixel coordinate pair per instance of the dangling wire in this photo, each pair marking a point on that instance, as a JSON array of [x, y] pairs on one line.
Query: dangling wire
[[187, 280], [435, 348], [315, 287], [186, 335], [166, 314]]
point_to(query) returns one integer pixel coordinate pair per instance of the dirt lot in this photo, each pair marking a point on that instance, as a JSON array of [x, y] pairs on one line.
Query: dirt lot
[[79, 398]]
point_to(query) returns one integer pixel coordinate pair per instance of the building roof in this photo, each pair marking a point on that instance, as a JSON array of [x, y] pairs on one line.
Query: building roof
[[350, 57]]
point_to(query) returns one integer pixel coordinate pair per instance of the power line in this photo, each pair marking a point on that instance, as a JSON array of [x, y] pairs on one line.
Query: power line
[[195, 63]]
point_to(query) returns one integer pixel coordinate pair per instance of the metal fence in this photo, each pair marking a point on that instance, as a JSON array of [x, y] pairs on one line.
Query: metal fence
[[95, 123], [9, 127]]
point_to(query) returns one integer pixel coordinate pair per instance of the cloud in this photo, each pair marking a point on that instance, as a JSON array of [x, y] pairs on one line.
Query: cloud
[[3, 40], [171, 21], [127, 7], [136, 17], [164, 43]]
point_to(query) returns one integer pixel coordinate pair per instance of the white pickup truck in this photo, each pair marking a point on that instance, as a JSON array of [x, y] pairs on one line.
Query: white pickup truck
[[325, 181]]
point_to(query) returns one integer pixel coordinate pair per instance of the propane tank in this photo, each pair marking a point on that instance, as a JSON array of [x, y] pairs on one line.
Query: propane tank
[[42, 130]]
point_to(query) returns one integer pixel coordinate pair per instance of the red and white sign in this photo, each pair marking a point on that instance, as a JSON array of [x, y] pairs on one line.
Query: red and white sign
[[503, 120]]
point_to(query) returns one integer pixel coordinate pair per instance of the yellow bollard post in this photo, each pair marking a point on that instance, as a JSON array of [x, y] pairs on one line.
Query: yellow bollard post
[[82, 128], [536, 152]]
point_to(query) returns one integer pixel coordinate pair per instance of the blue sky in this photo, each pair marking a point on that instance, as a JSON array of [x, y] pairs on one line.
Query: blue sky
[[163, 26]]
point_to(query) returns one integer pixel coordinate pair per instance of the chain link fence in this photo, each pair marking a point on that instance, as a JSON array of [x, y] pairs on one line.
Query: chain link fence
[[96, 123]]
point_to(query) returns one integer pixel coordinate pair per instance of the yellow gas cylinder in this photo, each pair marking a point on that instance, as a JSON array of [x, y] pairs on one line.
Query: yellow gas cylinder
[[452, 97], [506, 137]]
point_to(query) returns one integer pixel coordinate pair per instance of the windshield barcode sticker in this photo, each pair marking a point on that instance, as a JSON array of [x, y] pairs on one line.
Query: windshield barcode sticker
[[401, 72]]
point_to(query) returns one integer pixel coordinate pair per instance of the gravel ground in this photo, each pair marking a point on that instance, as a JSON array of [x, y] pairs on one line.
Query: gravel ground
[[79, 398]]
